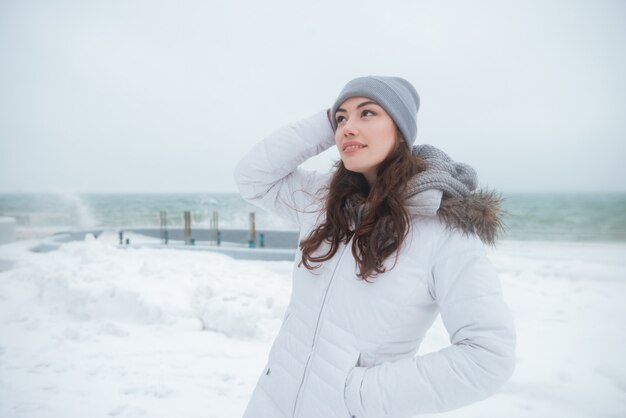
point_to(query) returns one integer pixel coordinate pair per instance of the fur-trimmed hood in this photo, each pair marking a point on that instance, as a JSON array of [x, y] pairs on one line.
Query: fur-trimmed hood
[[478, 213]]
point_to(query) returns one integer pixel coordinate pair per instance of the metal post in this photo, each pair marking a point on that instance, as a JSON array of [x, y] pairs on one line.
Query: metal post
[[187, 216], [214, 227], [164, 233], [252, 239]]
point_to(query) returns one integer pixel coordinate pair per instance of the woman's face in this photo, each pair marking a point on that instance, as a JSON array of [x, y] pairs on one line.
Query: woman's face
[[365, 135]]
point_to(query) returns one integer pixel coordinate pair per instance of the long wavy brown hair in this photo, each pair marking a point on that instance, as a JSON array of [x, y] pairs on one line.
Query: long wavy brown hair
[[382, 227]]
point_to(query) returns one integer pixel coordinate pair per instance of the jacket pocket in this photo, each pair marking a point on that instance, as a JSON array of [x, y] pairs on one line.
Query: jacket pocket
[[323, 393], [356, 362]]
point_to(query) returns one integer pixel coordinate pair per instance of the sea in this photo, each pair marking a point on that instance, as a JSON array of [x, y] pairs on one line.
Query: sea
[[589, 216]]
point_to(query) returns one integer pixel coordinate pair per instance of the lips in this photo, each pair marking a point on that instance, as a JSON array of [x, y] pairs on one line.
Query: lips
[[352, 146]]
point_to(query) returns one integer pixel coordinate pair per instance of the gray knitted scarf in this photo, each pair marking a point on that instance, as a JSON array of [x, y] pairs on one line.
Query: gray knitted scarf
[[452, 178]]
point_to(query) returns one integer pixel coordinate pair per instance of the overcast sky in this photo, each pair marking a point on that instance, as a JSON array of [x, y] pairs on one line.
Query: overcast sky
[[145, 96]]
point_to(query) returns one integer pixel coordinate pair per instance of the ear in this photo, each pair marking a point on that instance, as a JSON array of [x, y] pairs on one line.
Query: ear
[[399, 135]]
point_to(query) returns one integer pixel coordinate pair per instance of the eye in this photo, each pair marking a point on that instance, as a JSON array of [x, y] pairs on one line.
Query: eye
[[367, 111], [339, 119]]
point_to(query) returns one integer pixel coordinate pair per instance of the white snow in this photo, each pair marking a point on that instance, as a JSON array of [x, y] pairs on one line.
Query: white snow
[[92, 330]]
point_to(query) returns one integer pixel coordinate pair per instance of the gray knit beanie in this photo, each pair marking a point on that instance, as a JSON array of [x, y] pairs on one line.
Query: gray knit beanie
[[394, 94]]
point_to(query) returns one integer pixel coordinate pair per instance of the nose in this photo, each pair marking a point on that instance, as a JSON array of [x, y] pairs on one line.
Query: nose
[[349, 128]]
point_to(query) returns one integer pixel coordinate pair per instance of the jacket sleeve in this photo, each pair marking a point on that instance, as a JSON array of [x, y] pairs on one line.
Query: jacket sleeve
[[268, 175], [480, 359]]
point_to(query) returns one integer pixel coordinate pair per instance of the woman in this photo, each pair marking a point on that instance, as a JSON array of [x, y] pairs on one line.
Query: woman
[[389, 239]]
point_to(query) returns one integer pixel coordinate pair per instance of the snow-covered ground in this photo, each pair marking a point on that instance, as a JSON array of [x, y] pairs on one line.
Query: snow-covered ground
[[91, 330]]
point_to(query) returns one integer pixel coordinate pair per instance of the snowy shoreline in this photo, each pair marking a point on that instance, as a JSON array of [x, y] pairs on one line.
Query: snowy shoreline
[[94, 330]]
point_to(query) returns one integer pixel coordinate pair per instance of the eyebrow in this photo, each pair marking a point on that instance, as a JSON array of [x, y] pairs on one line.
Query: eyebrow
[[359, 106]]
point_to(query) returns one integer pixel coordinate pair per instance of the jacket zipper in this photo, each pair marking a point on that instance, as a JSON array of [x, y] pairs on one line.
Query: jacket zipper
[[308, 360]]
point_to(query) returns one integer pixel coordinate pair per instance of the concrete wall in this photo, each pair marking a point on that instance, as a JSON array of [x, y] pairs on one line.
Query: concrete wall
[[273, 238]]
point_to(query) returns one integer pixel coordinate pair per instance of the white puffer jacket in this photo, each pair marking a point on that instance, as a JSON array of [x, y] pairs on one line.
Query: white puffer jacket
[[347, 348]]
